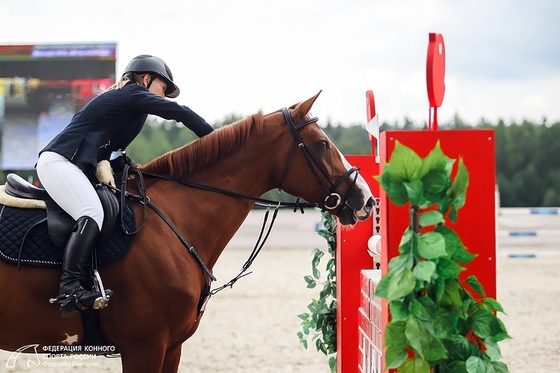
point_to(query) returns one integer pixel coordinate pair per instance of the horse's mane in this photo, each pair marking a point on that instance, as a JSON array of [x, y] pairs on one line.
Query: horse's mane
[[206, 150]]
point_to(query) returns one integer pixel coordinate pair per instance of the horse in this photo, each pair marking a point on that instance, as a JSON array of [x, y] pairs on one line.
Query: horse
[[158, 284]]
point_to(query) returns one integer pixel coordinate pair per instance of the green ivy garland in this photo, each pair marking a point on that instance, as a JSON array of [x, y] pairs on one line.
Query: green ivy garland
[[319, 324]]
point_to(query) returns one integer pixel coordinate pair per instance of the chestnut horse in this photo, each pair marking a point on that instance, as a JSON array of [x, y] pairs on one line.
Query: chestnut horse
[[158, 284]]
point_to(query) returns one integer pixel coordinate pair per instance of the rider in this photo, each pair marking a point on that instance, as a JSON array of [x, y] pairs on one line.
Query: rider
[[108, 123]]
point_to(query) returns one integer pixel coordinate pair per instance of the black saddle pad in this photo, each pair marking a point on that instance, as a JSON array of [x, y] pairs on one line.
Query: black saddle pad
[[24, 238]]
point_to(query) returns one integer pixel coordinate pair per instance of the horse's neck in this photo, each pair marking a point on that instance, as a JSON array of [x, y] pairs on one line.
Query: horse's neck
[[240, 172]]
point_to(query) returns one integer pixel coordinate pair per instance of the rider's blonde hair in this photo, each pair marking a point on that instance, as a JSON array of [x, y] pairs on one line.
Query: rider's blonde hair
[[127, 79]]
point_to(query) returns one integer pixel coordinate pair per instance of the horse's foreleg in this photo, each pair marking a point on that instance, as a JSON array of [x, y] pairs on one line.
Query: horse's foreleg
[[147, 357], [152, 359], [172, 359]]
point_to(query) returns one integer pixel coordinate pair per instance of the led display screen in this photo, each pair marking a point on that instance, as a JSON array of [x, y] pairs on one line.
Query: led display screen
[[41, 88]]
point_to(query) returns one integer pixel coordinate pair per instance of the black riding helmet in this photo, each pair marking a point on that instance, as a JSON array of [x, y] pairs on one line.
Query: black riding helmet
[[149, 64]]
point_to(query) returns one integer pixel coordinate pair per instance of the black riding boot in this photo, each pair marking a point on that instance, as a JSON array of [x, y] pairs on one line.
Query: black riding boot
[[76, 256]]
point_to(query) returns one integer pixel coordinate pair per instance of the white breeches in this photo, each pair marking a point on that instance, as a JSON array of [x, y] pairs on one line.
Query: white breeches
[[69, 187]]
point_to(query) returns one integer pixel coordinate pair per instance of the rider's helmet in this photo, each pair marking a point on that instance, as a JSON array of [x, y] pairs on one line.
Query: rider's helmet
[[149, 64]]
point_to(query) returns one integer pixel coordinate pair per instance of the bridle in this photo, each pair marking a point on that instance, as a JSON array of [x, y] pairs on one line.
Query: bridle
[[337, 200]]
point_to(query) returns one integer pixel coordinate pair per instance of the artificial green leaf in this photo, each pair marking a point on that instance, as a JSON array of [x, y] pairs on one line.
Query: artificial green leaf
[[475, 285], [469, 305], [435, 350], [414, 191], [461, 181], [407, 236], [424, 270], [499, 367], [451, 296], [398, 310], [383, 285], [303, 316], [407, 249], [459, 200], [434, 161], [493, 304], [428, 304], [500, 332], [448, 268], [439, 289], [419, 335], [414, 365], [394, 334], [435, 183], [452, 367], [444, 324], [405, 163], [407, 242], [311, 283], [323, 233], [431, 245], [453, 214], [431, 218], [328, 290], [443, 206], [454, 246], [460, 348], [452, 241], [462, 256], [395, 356], [418, 310], [317, 255], [332, 364], [483, 323], [401, 284], [492, 349], [395, 189], [400, 262], [476, 365]]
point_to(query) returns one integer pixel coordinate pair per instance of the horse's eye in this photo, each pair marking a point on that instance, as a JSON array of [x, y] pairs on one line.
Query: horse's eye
[[323, 145]]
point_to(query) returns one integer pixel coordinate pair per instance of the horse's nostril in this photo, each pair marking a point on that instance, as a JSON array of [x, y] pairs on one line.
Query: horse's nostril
[[369, 204]]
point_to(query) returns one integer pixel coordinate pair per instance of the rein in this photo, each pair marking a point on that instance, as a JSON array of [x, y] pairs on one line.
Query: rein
[[145, 201]]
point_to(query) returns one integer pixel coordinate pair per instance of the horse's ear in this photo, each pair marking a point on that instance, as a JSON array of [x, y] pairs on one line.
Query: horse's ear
[[304, 107]]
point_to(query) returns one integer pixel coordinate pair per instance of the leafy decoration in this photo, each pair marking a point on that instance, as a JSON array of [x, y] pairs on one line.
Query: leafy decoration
[[319, 324], [437, 324]]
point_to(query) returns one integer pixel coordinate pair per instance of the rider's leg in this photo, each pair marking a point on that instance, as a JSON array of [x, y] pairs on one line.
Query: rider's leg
[[77, 255], [70, 188]]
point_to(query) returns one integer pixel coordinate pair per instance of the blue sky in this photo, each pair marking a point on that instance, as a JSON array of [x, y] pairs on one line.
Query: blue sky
[[503, 57]]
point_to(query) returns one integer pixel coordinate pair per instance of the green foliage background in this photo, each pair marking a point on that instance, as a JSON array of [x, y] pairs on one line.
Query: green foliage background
[[526, 169]]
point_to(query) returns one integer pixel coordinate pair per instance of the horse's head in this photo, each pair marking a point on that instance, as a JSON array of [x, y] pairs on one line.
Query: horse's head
[[316, 170]]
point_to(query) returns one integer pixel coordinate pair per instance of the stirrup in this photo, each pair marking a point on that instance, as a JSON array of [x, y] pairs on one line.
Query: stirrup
[[102, 301], [94, 299]]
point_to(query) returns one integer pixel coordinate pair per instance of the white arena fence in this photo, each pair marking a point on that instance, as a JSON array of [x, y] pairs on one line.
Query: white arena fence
[[531, 227], [516, 227]]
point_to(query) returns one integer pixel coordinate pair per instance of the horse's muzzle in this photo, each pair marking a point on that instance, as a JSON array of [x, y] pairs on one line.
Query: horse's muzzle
[[353, 212]]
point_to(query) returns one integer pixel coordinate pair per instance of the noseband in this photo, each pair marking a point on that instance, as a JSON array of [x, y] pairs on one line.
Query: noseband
[[333, 200]]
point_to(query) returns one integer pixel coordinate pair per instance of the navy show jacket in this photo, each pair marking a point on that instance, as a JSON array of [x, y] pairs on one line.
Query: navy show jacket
[[110, 122]]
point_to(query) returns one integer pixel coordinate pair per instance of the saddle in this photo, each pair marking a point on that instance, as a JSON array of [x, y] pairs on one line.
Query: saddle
[[34, 229], [59, 223]]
